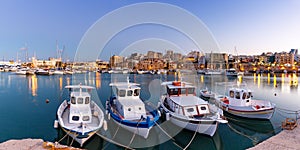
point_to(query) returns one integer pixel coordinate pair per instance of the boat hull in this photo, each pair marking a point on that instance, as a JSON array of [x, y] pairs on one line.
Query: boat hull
[[248, 111], [207, 127], [143, 132], [202, 126], [140, 127], [77, 131], [253, 114]]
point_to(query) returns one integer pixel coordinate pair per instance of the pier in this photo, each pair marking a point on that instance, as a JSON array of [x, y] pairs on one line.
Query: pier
[[286, 139]]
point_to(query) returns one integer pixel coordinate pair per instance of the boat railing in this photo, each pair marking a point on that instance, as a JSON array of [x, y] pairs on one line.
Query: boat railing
[[260, 103]]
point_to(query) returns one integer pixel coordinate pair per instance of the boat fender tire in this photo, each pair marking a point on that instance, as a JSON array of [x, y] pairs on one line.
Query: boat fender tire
[[167, 116]]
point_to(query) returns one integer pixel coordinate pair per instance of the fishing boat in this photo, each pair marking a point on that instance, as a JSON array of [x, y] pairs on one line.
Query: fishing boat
[[239, 102], [184, 109], [80, 117], [126, 109], [206, 94], [231, 72]]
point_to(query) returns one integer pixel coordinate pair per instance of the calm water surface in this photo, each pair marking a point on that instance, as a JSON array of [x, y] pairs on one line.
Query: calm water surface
[[25, 114]]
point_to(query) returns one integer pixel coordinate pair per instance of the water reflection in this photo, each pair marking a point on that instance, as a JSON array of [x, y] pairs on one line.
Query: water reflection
[[98, 80], [287, 82], [60, 83], [34, 85]]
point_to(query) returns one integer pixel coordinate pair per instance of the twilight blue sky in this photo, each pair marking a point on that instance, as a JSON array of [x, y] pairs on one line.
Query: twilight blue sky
[[253, 26]]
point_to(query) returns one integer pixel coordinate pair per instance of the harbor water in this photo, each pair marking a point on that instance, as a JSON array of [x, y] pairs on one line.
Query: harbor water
[[29, 105]]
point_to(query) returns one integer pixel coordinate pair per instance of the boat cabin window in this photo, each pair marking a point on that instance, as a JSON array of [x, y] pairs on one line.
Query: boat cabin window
[[244, 95], [249, 95], [190, 110], [75, 118], [183, 91], [173, 91], [73, 100], [203, 108], [191, 90], [122, 93], [136, 92], [87, 100], [237, 95], [80, 100], [231, 94], [85, 118], [129, 93]]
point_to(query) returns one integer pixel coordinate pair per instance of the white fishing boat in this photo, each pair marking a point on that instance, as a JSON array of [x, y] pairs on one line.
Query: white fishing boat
[[206, 94], [80, 117], [126, 109], [239, 102], [184, 109], [231, 72]]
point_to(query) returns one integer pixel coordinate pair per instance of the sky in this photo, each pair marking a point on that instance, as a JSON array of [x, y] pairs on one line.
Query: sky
[[249, 26]]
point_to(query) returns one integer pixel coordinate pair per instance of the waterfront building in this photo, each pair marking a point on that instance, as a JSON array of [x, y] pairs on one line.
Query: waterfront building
[[284, 58], [102, 65], [116, 61], [50, 63], [216, 60]]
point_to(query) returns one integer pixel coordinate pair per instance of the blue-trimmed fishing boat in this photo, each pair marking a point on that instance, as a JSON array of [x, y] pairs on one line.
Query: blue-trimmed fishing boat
[[126, 109]]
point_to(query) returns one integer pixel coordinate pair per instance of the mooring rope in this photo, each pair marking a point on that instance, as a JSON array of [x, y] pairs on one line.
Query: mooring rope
[[111, 141], [165, 132], [192, 137], [240, 133]]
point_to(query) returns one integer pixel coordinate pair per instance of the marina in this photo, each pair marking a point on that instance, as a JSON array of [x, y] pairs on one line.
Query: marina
[[39, 120]]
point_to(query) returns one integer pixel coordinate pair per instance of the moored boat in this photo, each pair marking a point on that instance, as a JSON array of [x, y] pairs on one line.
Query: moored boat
[[239, 102], [231, 72], [42, 72], [128, 111], [184, 109], [22, 71], [206, 94], [80, 117]]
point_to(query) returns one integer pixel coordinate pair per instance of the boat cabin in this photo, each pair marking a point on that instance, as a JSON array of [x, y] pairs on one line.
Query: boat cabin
[[183, 100], [239, 97], [128, 102], [80, 111], [180, 89]]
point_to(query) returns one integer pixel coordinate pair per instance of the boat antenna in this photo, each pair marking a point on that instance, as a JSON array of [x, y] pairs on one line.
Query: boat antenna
[[80, 89]]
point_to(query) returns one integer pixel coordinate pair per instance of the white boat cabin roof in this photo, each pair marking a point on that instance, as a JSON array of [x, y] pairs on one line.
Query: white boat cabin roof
[[187, 100], [178, 84], [125, 85], [79, 87]]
